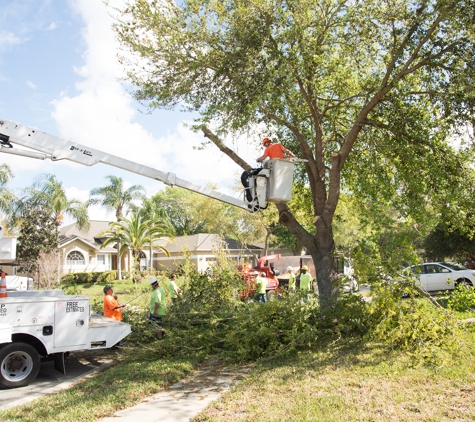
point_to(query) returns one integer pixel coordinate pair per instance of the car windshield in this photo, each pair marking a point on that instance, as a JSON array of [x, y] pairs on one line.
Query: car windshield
[[453, 266]]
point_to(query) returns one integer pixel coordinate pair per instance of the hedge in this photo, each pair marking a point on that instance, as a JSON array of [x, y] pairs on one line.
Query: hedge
[[93, 277]]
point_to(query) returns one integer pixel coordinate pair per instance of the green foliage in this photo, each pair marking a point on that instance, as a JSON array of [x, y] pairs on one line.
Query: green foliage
[[348, 316], [275, 328], [114, 197], [179, 205], [448, 241], [37, 231], [7, 198], [212, 290], [462, 298], [372, 94], [74, 289], [137, 317], [49, 191], [429, 335], [107, 276], [90, 277], [240, 331], [136, 232]]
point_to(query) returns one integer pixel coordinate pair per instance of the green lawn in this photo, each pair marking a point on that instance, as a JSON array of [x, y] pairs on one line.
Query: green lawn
[[349, 382]]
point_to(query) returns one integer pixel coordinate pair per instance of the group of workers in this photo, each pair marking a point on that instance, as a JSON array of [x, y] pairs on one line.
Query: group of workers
[[305, 283], [158, 299], [158, 302]]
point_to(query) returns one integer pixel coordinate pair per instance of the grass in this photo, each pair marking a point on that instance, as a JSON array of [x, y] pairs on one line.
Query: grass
[[345, 380], [349, 382]]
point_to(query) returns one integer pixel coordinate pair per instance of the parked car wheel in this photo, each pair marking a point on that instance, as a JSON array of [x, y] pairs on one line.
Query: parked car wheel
[[19, 365], [464, 282]]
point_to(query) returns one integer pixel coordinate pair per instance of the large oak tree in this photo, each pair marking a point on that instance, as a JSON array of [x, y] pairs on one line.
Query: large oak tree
[[371, 93]]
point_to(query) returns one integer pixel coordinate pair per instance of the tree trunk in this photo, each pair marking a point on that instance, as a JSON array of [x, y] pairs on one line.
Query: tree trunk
[[326, 273], [119, 264], [321, 247]]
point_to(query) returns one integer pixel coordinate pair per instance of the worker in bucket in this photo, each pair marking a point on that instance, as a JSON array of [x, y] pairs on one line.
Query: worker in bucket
[[274, 150], [291, 279], [261, 284], [112, 309], [271, 151], [158, 302]]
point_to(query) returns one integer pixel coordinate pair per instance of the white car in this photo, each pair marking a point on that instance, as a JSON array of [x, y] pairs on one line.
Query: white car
[[434, 276]]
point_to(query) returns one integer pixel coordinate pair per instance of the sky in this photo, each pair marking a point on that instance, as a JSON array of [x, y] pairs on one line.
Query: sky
[[59, 74]]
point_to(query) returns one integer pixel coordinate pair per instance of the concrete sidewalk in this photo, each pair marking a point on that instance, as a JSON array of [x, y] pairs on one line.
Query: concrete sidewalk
[[185, 399]]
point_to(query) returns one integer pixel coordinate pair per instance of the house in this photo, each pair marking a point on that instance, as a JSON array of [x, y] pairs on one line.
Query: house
[[81, 250], [201, 250]]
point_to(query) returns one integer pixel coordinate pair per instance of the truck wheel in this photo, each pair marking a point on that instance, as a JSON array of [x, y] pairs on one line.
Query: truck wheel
[[19, 365], [271, 294]]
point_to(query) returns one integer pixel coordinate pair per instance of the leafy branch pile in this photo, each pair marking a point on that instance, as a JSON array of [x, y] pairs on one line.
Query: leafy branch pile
[[210, 319]]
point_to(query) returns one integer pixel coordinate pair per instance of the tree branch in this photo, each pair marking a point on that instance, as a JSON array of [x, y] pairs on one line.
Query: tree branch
[[224, 149]]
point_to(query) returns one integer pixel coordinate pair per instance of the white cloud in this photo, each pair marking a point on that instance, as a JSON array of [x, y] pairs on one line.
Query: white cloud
[[52, 26], [31, 84], [101, 115], [7, 40]]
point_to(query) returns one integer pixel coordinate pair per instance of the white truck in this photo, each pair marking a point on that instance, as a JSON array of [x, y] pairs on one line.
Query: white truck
[[48, 323]]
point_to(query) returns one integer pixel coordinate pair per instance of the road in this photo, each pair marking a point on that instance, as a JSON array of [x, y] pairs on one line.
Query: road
[[79, 365]]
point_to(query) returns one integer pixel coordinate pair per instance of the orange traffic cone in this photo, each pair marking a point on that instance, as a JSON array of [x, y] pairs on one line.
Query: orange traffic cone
[[3, 286]]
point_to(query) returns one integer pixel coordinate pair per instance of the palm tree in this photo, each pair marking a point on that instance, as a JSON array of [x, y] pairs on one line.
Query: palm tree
[[134, 233], [159, 217], [116, 198], [49, 190]]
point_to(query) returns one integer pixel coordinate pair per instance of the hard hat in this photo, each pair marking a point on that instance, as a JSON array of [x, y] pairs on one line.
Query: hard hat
[[289, 268], [255, 273], [304, 267], [263, 274], [265, 140], [153, 280]]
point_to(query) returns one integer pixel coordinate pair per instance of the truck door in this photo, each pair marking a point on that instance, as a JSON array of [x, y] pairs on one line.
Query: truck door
[[71, 321]]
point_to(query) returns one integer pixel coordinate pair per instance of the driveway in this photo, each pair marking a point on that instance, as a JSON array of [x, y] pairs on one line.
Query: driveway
[[79, 365]]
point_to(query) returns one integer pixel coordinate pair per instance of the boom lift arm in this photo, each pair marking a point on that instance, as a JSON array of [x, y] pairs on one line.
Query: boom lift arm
[[56, 149]]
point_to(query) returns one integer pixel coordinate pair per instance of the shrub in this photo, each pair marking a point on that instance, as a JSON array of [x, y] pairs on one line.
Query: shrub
[[275, 328], [429, 334], [92, 277], [107, 276], [462, 299]]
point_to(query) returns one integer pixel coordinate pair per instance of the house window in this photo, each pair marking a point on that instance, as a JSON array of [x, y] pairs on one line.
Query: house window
[[104, 260], [75, 258]]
